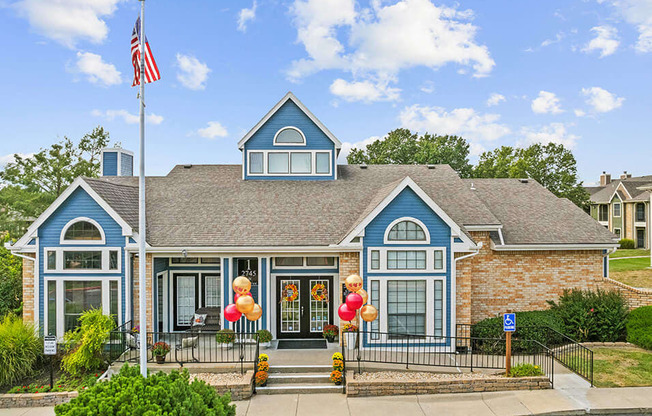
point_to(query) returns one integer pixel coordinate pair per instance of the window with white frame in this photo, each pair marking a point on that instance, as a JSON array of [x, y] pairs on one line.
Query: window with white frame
[[83, 259], [406, 230], [406, 307], [308, 262], [278, 162], [82, 230], [406, 260], [401, 259], [616, 209], [256, 163], [617, 232], [291, 162], [375, 260], [289, 136]]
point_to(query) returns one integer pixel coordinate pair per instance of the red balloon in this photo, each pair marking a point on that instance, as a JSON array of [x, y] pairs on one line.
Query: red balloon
[[237, 295], [354, 301], [345, 313], [231, 313]]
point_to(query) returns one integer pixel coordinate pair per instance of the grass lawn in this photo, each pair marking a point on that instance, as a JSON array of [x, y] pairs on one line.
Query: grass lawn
[[630, 253], [622, 367], [633, 272]]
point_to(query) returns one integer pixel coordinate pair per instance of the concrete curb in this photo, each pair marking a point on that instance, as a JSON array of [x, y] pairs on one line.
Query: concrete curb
[[622, 411]]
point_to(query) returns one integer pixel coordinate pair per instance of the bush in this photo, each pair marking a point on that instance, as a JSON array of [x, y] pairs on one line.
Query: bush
[[592, 316], [20, 349], [225, 336], [331, 331], [627, 244], [264, 335], [84, 346], [525, 370], [11, 280], [128, 393], [639, 327]]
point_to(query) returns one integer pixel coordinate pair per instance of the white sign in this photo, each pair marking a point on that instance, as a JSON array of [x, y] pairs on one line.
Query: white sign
[[50, 345]]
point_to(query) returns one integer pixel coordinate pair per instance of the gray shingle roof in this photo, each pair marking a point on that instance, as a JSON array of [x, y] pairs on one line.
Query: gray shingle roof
[[530, 214], [603, 194], [210, 205]]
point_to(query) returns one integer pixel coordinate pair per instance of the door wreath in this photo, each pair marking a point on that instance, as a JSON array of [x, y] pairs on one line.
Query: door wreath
[[319, 292], [290, 293]]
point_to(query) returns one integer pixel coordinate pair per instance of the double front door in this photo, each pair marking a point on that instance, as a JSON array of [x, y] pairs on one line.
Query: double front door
[[304, 306]]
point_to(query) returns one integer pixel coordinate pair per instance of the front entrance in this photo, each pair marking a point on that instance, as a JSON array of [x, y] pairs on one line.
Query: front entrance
[[304, 306], [640, 237]]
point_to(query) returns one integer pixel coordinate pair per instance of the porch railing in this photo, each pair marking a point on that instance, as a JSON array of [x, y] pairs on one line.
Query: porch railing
[[442, 351]]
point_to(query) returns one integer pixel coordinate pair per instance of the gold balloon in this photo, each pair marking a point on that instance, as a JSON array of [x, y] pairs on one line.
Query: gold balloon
[[353, 283], [255, 313], [368, 313], [241, 285], [364, 294], [245, 304]]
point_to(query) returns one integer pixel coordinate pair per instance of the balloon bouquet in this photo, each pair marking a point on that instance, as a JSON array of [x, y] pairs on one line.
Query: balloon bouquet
[[243, 302], [355, 300]]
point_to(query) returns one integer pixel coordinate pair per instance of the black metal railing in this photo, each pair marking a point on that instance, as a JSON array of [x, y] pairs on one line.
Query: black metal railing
[[185, 347], [567, 351], [443, 351]]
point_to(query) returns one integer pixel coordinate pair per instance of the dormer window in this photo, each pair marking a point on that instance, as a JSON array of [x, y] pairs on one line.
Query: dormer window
[[289, 136], [82, 231]]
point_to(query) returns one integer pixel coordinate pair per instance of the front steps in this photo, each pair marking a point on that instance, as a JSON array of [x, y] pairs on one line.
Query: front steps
[[301, 379]]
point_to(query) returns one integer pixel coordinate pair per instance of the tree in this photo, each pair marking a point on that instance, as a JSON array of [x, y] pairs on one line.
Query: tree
[[11, 281], [552, 165], [403, 147], [30, 184]]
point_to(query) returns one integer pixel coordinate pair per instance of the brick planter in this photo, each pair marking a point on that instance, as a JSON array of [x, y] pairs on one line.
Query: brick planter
[[366, 388], [240, 390], [35, 399]]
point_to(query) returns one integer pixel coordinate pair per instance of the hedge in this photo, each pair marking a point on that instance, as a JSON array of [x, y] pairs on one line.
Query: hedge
[[639, 327]]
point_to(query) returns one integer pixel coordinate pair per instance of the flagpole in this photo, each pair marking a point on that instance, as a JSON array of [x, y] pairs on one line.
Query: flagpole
[[142, 269]]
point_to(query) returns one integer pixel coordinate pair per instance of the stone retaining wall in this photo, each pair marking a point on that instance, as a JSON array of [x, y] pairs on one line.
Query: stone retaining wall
[[366, 388], [240, 390], [35, 399]]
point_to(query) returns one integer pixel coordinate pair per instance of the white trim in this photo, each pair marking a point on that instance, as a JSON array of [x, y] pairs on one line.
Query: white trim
[[430, 260], [97, 225], [313, 162], [32, 231], [620, 232], [60, 260], [483, 227], [304, 263], [303, 136], [620, 209], [408, 182], [547, 247], [253, 250], [270, 113], [411, 219]]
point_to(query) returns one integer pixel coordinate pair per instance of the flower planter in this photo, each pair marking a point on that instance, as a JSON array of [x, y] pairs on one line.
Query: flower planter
[[330, 339], [160, 359], [265, 344]]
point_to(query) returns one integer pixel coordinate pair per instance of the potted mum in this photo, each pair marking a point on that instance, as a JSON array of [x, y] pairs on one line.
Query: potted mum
[[160, 350], [264, 338], [336, 377], [225, 336], [330, 332]]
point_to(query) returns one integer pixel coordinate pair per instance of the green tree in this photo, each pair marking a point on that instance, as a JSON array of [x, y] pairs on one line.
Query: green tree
[[11, 281], [403, 147], [552, 165], [29, 184]]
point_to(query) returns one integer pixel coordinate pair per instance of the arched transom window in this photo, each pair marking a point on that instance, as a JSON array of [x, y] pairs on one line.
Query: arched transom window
[[407, 230], [82, 230], [289, 136]]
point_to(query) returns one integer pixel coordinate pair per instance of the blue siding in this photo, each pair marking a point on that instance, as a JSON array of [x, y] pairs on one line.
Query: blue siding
[[78, 204], [110, 164], [409, 204], [290, 115], [126, 165]]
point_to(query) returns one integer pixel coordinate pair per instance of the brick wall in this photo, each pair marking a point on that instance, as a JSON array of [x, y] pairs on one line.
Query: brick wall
[[150, 284], [349, 264], [633, 296], [28, 290], [521, 280], [628, 223]]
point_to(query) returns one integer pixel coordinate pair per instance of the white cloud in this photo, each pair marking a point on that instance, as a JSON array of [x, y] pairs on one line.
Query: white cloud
[[96, 70], [213, 130], [605, 40], [552, 133], [68, 21], [558, 38], [639, 14], [10, 158], [347, 146], [546, 102], [428, 87], [126, 116], [384, 39], [245, 16], [465, 122], [193, 73], [579, 112], [365, 91], [495, 99], [602, 100]]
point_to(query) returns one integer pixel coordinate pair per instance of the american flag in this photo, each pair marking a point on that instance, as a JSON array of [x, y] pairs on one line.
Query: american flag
[[151, 70]]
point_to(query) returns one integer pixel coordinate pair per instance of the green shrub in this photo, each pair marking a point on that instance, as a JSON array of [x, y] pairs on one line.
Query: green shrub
[[129, 393], [84, 346], [592, 316], [225, 336], [525, 370], [639, 327], [264, 335], [627, 244], [20, 349]]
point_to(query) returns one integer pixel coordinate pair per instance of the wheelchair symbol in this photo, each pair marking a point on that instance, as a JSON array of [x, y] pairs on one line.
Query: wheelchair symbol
[[508, 321]]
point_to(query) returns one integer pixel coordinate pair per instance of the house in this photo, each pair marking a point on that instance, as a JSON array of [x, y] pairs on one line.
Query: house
[[434, 250], [623, 206]]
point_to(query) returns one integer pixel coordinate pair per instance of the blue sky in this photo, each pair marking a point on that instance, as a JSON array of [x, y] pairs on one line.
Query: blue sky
[[497, 73]]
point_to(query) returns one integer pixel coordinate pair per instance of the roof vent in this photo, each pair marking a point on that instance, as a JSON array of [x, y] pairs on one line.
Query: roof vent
[[187, 166], [472, 186], [363, 166], [524, 180], [431, 166]]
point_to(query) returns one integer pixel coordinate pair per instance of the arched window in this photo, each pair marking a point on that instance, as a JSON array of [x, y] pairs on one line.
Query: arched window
[[407, 230], [289, 136], [82, 230]]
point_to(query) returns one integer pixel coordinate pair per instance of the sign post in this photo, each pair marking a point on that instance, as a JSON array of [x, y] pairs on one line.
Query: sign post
[[50, 348], [509, 326]]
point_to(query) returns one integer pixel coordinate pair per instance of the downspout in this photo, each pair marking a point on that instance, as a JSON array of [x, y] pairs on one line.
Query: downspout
[[24, 256], [475, 253]]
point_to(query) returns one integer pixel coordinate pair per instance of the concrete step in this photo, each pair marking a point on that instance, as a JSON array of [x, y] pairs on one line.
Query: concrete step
[[298, 378], [323, 369], [299, 389]]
